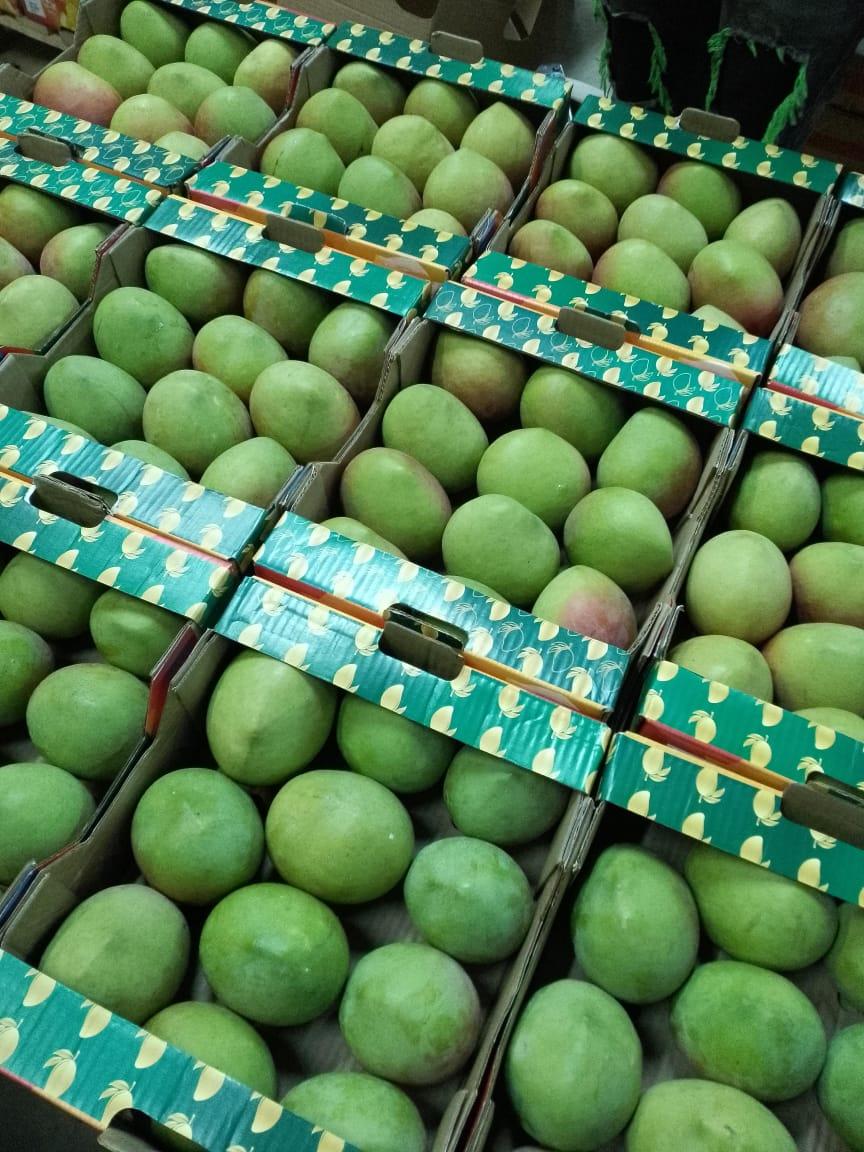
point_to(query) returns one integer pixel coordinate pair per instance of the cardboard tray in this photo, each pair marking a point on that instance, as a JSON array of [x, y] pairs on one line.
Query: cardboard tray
[[109, 1056]]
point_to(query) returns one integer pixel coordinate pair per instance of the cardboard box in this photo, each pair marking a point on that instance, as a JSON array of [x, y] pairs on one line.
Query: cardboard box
[[111, 1065]]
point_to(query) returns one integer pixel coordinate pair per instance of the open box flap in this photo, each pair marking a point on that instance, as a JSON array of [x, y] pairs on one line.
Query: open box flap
[[257, 16], [819, 379], [812, 428]]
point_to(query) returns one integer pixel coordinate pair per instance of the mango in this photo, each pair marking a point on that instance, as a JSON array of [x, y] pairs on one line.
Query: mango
[[67, 87], [502, 544], [622, 534], [305, 158], [840, 1086], [71, 257], [538, 469], [125, 948], [845, 961], [654, 453], [288, 309], [491, 799], [436, 428], [376, 184], [363, 839], [413, 145], [467, 185], [254, 471], [548, 244], [506, 137], [709, 193], [449, 108], [469, 898], [354, 530], [843, 507], [634, 926], [148, 117], [219, 47], [739, 585], [847, 255], [25, 661], [737, 279], [99, 397], [619, 169], [818, 666], [377, 89], [32, 309], [704, 1117], [583, 210], [197, 836], [267, 71], [220, 1039], [126, 69], [640, 268], [838, 719], [830, 322], [183, 144], [667, 224], [142, 333], [772, 228], [586, 414], [88, 719], [583, 600], [759, 916], [158, 34], [199, 284], [342, 119], [846, 362], [13, 264], [304, 409], [390, 748], [150, 454], [726, 660], [349, 343], [236, 351], [42, 809], [410, 1013], [828, 583], [51, 601], [233, 111], [364, 1110], [586, 1092], [442, 222], [29, 219], [132, 634], [194, 418], [750, 1028], [274, 954], [186, 86], [397, 497], [487, 378], [778, 497], [266, 720], [714, 316]]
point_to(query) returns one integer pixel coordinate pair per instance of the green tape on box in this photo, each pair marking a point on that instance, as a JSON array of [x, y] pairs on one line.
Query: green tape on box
[[851, 189], [740, 155], [549, 288], [547, 89], [114, 196], [267, 194], [731, 815], [269, 19], [350, 276], [805, 427], [328, 562], [820, 378], [674, 383], [97, 1064]]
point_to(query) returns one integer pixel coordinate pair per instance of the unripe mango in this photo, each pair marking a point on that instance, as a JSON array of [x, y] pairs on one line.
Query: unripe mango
[[621, 170], [254, 471], [132, 634], [186, 86], [667, 224], [349, 343], [354, 530], [622, 534], [709, 193], [840, 1086], [772, 228], [127, 70], [390, 748], [467, 185], [305, 158], [142, 333], [195, 418], [32, 310], [843, 507], [236, 351], [158, 34], [375, 183], [71, 257], [486, 377], [304, 409], [67, 87], [377, 89], [449, 108], [828, 583], [42, 809], [830, 317], [288, 309], [267, 71], [199, 284], [656, 454], [150, 454], [219, 47], [538, 469], [778, 497], [837, 718], [29, 219], [726, 660], [847, 254], [413, 145], [506, 137], [546, 243], [51, 601], [98, 396], [818, 666], [737, 279], [342, 119], [583, 210], [846, 959], [639, 268], [12, 263], [583, 412], [148, 117], [183, 144], [233, 111], [739, 585], [25, 661], [436, 428], [364, 1110]]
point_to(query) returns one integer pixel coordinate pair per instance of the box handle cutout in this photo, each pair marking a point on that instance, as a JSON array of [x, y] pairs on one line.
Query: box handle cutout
[[456, 47], [424, 642], [72, 498], [294, 233], [588, 326], [45, 149], [702, 123], [826, 805]]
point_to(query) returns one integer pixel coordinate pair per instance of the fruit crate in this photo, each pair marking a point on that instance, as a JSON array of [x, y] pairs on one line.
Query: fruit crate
[[650, 144], [96, 1065]]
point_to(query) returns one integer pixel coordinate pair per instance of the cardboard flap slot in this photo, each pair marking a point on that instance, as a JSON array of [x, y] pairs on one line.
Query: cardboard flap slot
[[415, 638], [702, 123], [456, 47], [294, 233], [72, 498], [45, 149], [826, 805], [595, 329]]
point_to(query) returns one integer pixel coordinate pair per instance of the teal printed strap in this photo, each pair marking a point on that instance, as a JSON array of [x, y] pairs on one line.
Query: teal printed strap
[[813, 429], [269, 19], [820, 378]]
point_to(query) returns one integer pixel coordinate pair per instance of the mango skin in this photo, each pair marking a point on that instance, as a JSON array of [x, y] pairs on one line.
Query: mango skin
[[818, 666], [354, 530], [29, 219], [540, 470], [233, 111], [126, 948], [666, 223], [704, 1117], [51, 601], [25, 661], [583, 600], [390, 748], [830, 318], [132, 634], [255, 471], [304, 157], [709, 193], [32, 310], [726, 660], [759, 916], [583, 210], [586, 414], [142, 334], [485, 377], [147, 117], [573, 1067], [843, 507], [450, 109], [777, 496], [623, 535], [158, 34], [150, 454], [342, 119], [413, 145], [410, 1013], [99, 397], [847, 254], [71, 256], [289, 310], [772, 228], [236, 351], [42, 809], [304, 409], [195, 418], [467, 185], [364, 1110], [828, 583], [127, 70], [199, 284], [441, 222], [750, 1028], [67, 87], [621, 170], [349, 343], [219, 47], [12, 264], [376, 184], [840, 1086], [634, 926], [186, 86], [377, 89], [639, 268], [267, 71], [274, 954], [739, 280], [506, 137], [845, 961], [436, 428], [656, 454], [546, 243]]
